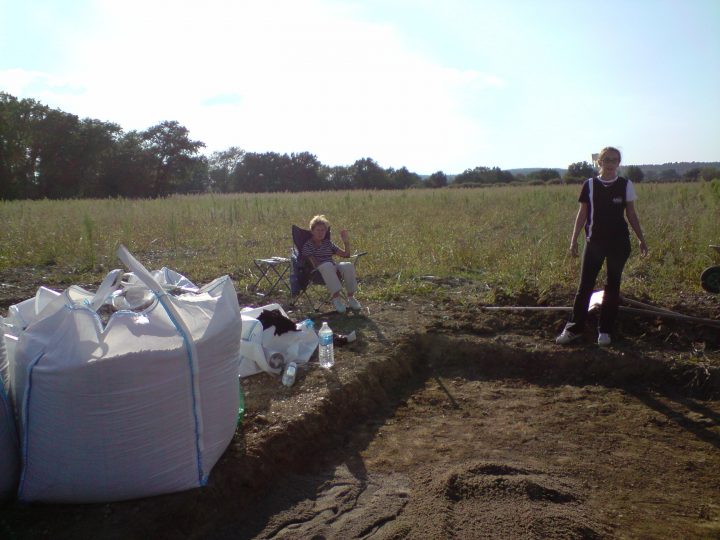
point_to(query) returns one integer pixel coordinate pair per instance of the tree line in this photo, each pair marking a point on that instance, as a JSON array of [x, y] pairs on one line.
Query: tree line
[[49, 153]]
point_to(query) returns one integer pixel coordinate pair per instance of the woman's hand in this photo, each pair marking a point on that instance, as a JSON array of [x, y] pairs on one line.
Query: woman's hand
[[573, 250], [643, 248], [344, 235]]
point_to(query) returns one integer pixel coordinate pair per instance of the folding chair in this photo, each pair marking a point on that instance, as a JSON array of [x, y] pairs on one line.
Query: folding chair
[[303, 274], [272, 275]]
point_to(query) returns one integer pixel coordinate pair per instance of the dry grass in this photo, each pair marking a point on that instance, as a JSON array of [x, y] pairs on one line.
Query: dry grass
[[510, 238]]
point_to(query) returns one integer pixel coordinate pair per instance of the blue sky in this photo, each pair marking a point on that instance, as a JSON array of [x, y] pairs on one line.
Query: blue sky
[[431, 85]]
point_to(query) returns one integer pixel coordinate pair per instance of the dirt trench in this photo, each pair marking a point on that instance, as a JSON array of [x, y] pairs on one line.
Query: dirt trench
[[489, 440], [435, 426]]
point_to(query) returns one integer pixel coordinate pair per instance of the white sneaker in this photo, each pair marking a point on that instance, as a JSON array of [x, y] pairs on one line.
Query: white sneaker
[[566, 337], [604, 339], [339, 305], [354, 304]]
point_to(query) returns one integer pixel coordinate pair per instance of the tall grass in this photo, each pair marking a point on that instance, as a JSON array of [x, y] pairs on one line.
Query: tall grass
[[510, 238]]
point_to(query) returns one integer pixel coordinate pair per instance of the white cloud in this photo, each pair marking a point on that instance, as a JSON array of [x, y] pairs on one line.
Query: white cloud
[[280, 76], [325, 76], [38, 85]]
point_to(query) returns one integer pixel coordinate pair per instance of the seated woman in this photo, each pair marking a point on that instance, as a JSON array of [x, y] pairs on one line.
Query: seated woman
[[320, 250]]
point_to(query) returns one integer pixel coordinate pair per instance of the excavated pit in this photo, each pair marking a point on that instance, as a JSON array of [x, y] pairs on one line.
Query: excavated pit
[[488, 438], [438, 435]]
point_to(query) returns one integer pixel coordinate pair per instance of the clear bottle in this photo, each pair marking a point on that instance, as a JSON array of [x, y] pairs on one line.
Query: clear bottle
[[288, 378], [307, 323], [325, 352]]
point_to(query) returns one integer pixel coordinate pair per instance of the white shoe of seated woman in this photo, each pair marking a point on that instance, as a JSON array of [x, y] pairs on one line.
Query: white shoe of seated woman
[[339, 305]]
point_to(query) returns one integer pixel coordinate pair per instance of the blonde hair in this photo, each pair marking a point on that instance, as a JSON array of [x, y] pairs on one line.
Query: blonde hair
[[319, 219], [605, 151]]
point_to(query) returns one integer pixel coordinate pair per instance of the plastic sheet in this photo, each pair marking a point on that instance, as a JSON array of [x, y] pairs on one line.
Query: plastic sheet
[[259, 344]]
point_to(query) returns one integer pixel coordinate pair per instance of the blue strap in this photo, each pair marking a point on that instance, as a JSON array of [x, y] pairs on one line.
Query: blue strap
[[162, 298]]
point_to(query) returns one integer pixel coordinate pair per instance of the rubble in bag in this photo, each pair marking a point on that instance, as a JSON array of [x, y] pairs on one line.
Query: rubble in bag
[[130, 294], [140, 402]]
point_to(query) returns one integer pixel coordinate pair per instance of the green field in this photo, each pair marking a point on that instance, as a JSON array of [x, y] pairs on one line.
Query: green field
[[509, 239]]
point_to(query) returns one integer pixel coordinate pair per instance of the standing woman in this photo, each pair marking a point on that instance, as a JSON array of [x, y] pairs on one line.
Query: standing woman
[[605, 201]]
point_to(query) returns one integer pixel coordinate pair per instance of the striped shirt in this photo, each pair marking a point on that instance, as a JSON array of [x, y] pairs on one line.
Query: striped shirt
[[322, 253]]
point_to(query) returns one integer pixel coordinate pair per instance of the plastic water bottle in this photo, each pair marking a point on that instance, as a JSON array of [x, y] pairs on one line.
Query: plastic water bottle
[[288, 378], [326, 353], [307, 323]]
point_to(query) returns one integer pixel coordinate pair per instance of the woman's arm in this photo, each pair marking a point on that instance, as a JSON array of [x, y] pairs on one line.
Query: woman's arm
[[580, 220], [346, 243], [635, 224]]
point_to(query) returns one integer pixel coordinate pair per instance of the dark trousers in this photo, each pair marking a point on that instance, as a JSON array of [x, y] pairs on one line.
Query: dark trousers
[[616, 254]]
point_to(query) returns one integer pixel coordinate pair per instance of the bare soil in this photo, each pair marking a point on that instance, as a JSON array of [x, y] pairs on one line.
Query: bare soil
[[443, 421]]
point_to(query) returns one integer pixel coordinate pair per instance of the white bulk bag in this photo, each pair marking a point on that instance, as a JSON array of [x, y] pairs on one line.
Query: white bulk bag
[[142, 406], [22, 314], [9, 463], [259, 344]]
